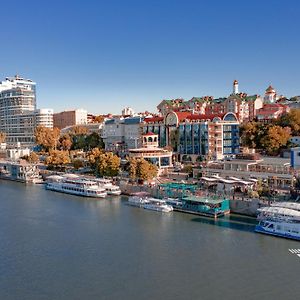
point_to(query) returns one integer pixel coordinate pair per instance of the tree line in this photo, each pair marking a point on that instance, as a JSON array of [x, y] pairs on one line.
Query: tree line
[[274, 136], [60, 151]]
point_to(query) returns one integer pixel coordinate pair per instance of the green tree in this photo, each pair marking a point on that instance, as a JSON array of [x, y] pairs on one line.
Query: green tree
[[174, 139], [77, 163], [65, 142], [93, 140]]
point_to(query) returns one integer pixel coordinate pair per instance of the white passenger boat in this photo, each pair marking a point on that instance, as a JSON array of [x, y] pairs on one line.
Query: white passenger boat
[[110, 188], [138, 199], [75, 186], [279, 221], [290, 205], [158, 205]]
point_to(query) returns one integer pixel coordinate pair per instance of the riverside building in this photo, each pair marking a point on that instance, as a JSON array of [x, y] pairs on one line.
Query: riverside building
[[18, 114], [215, 136], [17, 107]]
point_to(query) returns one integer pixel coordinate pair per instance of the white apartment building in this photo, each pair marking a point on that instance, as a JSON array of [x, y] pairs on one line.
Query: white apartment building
[[121, 134], [18, 114], [44, 117], [127, 111], [17, 106]]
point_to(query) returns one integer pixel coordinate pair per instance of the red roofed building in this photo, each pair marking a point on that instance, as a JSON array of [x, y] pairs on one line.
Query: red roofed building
[[214, 135], [271, 111]]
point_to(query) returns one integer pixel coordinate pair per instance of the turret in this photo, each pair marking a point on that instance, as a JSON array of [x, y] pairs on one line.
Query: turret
[[235, 87], [270, 95]]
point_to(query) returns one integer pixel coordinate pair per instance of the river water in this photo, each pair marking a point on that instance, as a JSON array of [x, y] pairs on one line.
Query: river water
[[58, 246]]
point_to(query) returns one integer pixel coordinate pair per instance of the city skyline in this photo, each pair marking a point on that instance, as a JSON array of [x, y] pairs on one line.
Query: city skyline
[[105, 56]]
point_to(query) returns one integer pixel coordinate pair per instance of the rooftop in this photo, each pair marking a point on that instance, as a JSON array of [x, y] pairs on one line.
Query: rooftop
[[204, 200]]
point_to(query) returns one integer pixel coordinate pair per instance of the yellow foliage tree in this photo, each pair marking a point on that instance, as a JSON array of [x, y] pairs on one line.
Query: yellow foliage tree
[[108, 164], [276, 137], [139, 168], [57, 158], [47, 138], [2, 137]]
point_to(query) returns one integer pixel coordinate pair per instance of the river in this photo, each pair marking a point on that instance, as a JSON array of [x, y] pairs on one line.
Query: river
[[59, 246]]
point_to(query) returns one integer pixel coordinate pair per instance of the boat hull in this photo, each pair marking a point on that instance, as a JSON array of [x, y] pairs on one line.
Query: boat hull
[[261, 229], [115, 193], [102, 195], [161, 209]]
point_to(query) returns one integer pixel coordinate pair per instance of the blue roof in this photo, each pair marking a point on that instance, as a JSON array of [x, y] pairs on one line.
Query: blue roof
[[134, 120]]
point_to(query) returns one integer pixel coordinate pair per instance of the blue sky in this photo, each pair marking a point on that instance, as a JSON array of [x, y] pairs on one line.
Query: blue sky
[[104, 55]]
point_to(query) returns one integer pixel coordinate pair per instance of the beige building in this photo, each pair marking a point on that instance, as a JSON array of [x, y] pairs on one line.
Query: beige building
[[150, 151], [70, 118]]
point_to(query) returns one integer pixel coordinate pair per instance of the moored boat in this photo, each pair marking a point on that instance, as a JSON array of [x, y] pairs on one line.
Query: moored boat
[[279, 221], [138, 199], [75, 186], [111, 189], [158, 205]]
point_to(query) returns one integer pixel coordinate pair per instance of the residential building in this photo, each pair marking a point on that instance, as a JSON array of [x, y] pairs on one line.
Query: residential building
[[172, 105], [133, 132], [212, 136], [120, 134], [127, 111], [271, 111], [17, 107], [70, 118], [44, 117], [113, 134], [215, 136], [241, 104]]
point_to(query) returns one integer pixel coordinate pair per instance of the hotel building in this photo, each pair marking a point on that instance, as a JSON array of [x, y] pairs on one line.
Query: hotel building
[[17, 106]]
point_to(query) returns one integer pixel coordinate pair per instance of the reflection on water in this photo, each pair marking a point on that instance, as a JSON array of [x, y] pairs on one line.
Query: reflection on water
[[235, 222]]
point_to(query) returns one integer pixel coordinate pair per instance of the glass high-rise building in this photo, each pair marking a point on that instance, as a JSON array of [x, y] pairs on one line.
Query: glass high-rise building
[[17, 110]]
